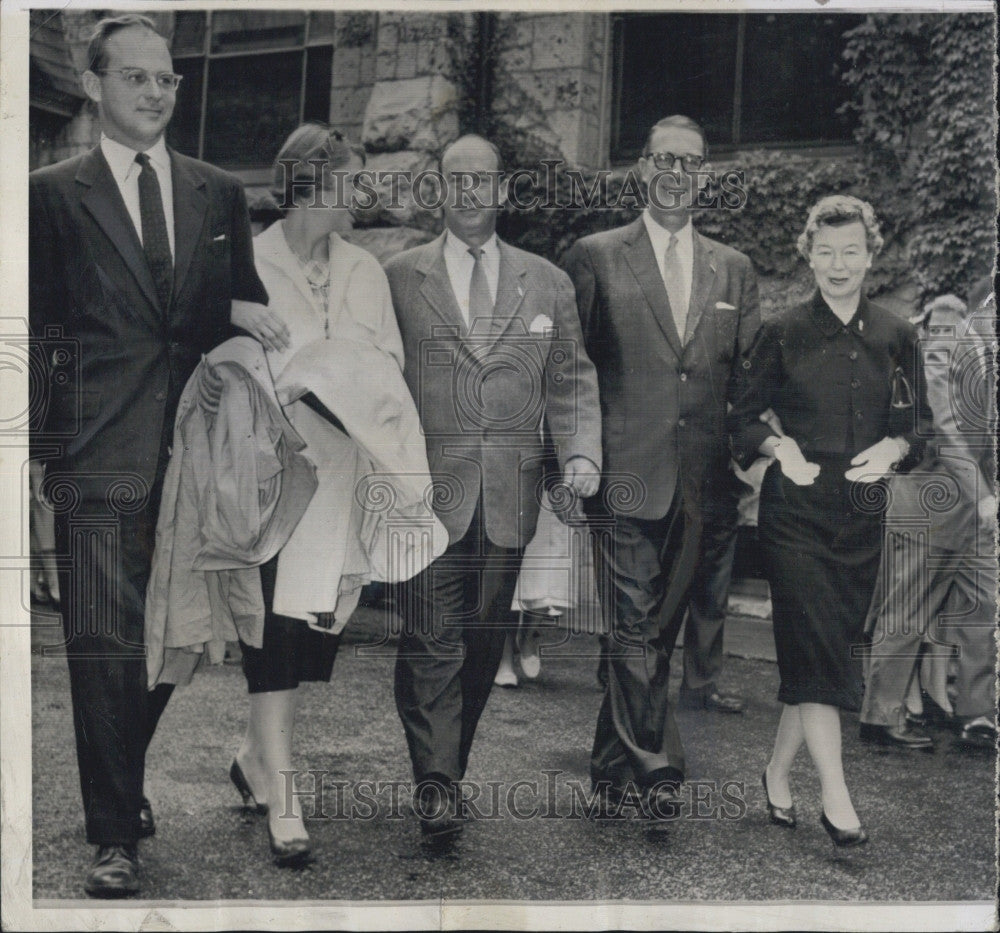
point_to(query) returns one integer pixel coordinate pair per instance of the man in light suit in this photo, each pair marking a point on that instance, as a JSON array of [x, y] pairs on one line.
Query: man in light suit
[[493, 355], [135, 255], [665, 313]]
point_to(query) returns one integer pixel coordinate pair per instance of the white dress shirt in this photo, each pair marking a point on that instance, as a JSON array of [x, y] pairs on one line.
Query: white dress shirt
[[660, 238], [459, 262], [126, 170]]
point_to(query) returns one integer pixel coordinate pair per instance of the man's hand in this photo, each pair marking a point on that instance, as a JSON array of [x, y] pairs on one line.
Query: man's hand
[[582, 475], [876, 461], [261, 322]]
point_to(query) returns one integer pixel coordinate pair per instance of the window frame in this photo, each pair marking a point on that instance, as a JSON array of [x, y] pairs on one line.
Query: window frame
[[250, 175], [721, 152]]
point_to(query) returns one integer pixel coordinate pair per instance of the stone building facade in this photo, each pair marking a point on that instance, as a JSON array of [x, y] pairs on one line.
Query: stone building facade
[[572, 86]]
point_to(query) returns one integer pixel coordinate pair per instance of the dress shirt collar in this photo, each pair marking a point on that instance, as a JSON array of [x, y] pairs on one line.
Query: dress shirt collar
[[121, 158], [660, 236], [830, 324], [454, 248]]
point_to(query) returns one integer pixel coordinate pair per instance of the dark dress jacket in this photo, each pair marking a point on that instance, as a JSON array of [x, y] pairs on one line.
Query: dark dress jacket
[[111, 361], [836, 388]]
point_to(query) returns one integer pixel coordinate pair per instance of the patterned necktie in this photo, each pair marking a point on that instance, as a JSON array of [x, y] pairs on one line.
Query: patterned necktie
[[480, 302], [673, 278], [155, 242]]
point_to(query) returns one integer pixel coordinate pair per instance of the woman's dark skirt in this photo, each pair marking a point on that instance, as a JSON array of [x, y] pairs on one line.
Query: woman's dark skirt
[[292, 652], [821, 546]]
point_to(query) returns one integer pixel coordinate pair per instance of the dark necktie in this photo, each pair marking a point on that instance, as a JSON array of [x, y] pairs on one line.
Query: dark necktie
[[480, 302], [155, 241]]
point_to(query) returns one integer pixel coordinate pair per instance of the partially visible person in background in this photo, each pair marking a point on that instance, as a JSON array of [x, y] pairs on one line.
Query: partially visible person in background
[[709, 595], [839, 372], [939, 573], [42, 541], [556, 579]]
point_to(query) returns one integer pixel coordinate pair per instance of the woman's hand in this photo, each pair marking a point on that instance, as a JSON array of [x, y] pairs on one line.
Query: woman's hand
[[793, 463], [261, 322], [876, 461]]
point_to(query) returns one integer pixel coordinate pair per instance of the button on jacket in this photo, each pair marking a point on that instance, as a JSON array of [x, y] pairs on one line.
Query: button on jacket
[[831, 384]]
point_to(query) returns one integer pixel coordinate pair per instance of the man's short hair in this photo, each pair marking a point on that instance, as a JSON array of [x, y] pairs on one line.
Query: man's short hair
[[492, 145], [680, 121], [97, 53]]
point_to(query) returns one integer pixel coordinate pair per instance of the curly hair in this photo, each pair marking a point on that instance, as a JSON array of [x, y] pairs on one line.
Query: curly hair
[[835, 211]]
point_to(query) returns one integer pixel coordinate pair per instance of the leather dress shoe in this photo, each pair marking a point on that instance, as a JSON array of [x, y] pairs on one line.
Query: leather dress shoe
[[662, 801], [438, 809], [715, 701], [780, 816], [844, 838], [893, 736], [659, 801], [980, 732], [114, 873], [290, 853]]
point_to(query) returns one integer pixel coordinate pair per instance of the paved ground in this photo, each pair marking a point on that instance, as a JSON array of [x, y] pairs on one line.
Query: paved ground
[[931, 817]]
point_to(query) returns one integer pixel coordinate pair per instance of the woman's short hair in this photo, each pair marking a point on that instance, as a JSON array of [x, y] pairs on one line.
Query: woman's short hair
[[97, 51], [836, 210], [309, 142]]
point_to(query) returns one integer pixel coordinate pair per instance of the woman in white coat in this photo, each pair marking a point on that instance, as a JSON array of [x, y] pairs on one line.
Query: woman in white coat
[[335, 354]]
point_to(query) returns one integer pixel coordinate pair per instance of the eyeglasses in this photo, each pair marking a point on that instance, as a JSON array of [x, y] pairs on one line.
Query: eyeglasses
[[665, 161], [137, 78]]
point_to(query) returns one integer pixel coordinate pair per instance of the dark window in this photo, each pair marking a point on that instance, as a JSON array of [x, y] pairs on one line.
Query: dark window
[[749, 79], [249, 79]]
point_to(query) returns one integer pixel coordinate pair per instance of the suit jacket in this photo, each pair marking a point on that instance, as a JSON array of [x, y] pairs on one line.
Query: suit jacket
[[115, 361], [486, 396], [663, 403]]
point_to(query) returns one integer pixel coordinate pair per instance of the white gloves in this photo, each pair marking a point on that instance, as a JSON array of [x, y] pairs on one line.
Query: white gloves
[[793, 464], [876, 461]]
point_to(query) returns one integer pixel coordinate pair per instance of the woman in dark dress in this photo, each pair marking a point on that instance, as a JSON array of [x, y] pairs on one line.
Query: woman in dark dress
[[841, 374]]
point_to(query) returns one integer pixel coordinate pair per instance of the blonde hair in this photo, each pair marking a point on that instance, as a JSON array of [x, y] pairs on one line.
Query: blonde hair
[[835, 211], [310, 141]]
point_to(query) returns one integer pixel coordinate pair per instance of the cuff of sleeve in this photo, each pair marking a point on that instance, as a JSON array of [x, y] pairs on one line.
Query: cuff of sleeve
[[746, 445]]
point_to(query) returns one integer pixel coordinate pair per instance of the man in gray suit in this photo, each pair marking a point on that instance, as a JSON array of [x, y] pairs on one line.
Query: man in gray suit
[[665, 314], [493, 355]]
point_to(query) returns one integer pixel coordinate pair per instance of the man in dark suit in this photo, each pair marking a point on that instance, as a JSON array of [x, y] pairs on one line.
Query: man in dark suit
[[665, 313], [135, 255], [493, 354]]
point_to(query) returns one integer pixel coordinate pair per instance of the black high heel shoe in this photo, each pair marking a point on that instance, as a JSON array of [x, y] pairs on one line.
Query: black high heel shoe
[[780, 816], [241, 783], [291, 854], [845, 838]]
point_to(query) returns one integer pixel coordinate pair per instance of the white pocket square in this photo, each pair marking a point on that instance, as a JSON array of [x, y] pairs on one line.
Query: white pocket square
[[541, 324], [723, 306], [219, 238]]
